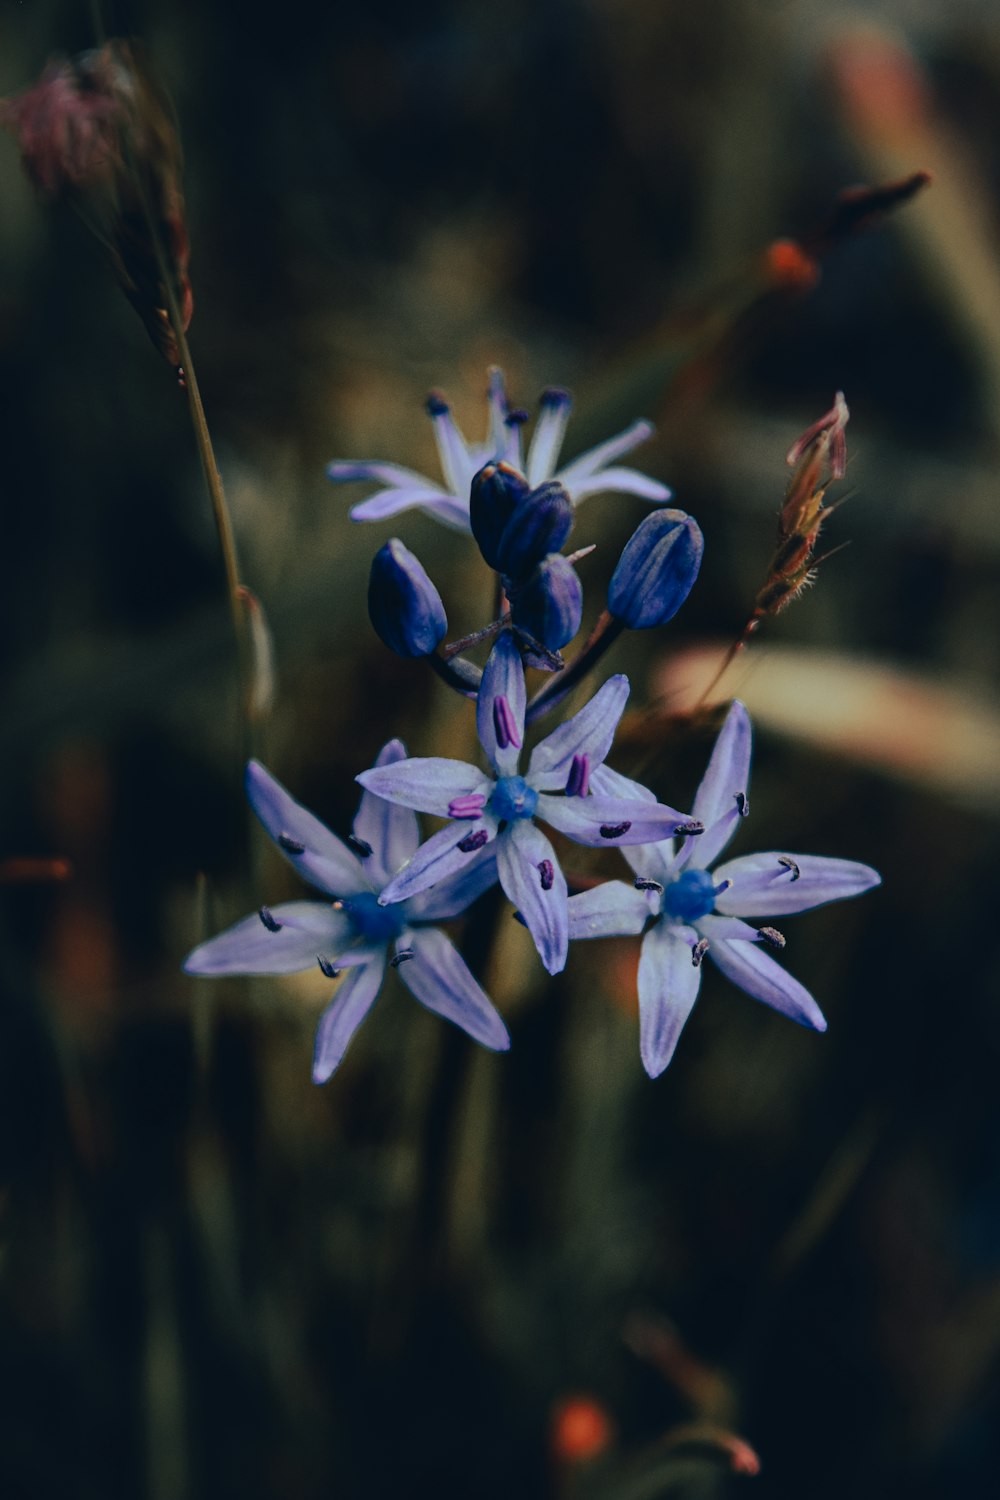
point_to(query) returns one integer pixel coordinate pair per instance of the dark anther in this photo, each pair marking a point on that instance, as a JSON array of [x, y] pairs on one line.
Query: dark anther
[[473, 841], [290, 845], [772, 937], [789, 864], [692, 828], [516, 417], [742, 804], [360, 846], [327, 968], [547, 874], [642, 884], [271, 923], [614, 830], [401, 957], [698, 952]]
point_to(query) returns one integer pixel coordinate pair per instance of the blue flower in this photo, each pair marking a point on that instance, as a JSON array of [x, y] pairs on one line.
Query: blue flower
[[698, 913], [566, 784], [592, 473], [357, 931]]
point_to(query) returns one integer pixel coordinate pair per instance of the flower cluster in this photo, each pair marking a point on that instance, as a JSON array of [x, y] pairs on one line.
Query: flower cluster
[[386, 891]]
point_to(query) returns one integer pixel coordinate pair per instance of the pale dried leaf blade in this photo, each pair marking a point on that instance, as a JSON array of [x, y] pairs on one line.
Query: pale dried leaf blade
[[263, 679], [911, 726]]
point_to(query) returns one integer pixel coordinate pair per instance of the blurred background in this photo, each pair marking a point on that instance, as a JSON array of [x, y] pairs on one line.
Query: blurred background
[[449, 1272]]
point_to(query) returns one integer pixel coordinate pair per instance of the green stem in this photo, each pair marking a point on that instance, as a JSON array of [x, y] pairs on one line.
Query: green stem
[[604, 634]]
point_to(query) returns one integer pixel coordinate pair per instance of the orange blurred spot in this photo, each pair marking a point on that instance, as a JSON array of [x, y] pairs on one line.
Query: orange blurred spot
[[742, 1458], [581, 1430], [789, 267], [26, 870], [621, 972]]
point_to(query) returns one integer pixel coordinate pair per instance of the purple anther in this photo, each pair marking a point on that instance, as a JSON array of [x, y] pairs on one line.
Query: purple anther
[[504, 724], [270, 922], [360, 846], [401, 957], [742, 804], [614, 830], [578, 780], [470, 805], [723, 885], [547, 874], [789, 864], [691, 828], [327, 968], [642, 884], [772, 937], [698, 952], [473, 841], [437, 406], [290, 845], [516, 417]]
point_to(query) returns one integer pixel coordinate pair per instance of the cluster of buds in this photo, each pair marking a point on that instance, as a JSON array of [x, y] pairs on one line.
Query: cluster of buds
[[96, 131], [520, 529]]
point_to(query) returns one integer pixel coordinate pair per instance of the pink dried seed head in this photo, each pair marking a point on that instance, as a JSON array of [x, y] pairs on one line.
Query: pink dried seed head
[[97, 127], [830, 425], [66, 127]]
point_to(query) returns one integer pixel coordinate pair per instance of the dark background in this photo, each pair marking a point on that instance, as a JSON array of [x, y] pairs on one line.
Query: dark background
[[217, 1280]]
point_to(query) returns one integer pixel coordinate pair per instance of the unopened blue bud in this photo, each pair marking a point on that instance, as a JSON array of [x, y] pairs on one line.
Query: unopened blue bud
[[496, 492], [404, 606], [549, 605], [539, 525], [656, 571]]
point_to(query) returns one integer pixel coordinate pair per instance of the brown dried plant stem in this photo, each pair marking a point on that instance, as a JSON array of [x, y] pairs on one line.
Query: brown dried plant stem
[[213, 482], [740, 644]]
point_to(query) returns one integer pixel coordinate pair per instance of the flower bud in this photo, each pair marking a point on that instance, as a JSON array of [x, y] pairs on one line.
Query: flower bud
[[404, 606], [656, 571], [496, 492], [540, 524], [549, 605]]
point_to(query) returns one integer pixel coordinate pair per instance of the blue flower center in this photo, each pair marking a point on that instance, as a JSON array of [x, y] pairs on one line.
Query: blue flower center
[[513, 798], [692, 895], [374, 923]]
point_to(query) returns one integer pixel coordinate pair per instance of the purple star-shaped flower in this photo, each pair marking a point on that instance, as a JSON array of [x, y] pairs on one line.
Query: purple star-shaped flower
[[356, 931], [590, 474], [566, 784], [699, 913]]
